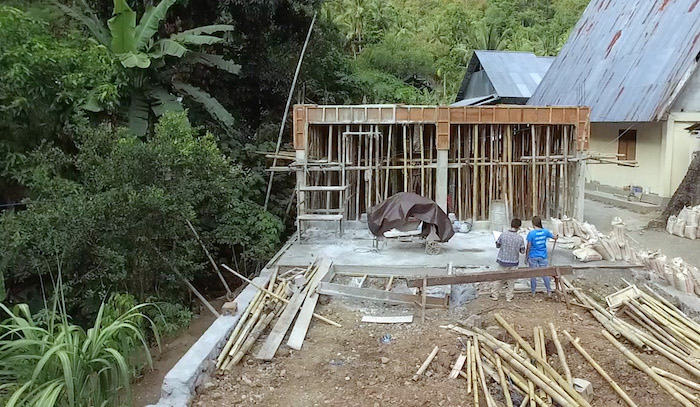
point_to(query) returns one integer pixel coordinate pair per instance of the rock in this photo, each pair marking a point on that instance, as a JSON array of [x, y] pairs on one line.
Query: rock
[[384, 360], [283, 372], [475, 320], [246, 380], [497, 332], [208, 386], [347, 378]]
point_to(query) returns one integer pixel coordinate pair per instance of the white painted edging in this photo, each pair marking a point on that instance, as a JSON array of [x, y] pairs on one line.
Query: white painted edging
[[180, 384]]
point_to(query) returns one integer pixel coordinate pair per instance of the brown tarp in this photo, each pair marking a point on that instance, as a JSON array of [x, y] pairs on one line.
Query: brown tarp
[[398, 209]]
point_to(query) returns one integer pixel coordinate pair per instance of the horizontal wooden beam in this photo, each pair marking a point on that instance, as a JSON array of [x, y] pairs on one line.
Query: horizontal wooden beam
[[372, 294], [396, 271], [494, 275]]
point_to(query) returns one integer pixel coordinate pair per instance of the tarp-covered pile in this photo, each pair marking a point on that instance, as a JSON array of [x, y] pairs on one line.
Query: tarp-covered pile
[[399, 209]]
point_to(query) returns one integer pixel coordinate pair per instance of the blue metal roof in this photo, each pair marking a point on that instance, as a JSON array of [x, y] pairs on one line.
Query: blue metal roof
[[512, 74], [626, 59]]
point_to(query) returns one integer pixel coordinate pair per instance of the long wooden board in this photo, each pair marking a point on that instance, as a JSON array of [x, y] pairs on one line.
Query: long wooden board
[[296, 338], [494, 275], [396, 271], [402, 319], [372, 294]]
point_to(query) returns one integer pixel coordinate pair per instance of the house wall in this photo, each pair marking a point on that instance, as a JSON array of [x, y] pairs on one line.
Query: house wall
[[684, 145], [664, 151], [479, 85], [648, 154]]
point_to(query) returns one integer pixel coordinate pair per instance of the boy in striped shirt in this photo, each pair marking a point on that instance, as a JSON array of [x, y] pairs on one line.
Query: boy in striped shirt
[[510, 245]]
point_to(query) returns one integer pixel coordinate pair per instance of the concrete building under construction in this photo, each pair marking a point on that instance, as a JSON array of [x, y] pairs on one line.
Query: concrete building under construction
[[349, 158]]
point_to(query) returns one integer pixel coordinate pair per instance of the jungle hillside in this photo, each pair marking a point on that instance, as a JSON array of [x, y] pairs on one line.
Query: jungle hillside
[[125, 125]]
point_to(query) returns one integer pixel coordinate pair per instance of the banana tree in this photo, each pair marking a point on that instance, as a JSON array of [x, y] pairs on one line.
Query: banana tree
[[143, 55]]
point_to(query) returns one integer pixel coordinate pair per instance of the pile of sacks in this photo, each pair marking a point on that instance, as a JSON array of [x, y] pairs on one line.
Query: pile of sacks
[[591, 245], [679, 274], [685, 224]]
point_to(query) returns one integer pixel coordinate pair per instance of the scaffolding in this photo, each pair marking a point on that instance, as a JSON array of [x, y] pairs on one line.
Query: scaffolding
[[350, 158]]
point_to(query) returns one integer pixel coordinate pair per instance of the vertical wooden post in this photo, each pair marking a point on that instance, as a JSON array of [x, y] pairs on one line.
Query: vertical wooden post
[[422, 161], [533, 186], [566, 171], [388, 162], [548, 184], [405, 158], [475, 172], [509, 159], [423, 299], [459, 172]]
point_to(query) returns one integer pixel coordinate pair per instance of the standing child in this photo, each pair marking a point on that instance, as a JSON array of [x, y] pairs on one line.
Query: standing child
[[510, 245], [537, 255]]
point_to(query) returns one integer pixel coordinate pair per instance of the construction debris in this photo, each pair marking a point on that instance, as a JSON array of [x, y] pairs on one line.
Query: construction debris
[[685, 224], [270, 303]]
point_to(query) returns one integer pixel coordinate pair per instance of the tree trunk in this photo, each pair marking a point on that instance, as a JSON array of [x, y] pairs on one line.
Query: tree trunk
[[688, 192]]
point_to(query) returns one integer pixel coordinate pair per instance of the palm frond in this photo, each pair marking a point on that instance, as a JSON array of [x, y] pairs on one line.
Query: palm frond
[[150, 21], [164, 101], [138, 114], [209, 29], [215, 61], [212, 106], [91, 22]]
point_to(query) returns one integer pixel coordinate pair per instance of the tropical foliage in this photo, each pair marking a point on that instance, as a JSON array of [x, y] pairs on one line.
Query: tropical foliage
[[45, 360], [146, 60], [104, 206]]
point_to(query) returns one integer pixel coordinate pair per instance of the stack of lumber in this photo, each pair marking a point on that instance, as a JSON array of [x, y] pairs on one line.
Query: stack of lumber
[[276, 305], [520, 371], [653, 324]]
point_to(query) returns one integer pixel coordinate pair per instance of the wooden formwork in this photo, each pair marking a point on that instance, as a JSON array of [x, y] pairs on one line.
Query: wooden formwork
[[526, 156]]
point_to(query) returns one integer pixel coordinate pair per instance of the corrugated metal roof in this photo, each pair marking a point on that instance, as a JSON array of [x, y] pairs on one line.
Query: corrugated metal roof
[[626, 59], [513, 74]]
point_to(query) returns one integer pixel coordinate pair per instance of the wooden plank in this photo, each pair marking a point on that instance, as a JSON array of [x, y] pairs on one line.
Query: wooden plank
[[296, 338], [377, 295], [494, 275], [279, 330], [404, 319], [458, 366], [397, 271]]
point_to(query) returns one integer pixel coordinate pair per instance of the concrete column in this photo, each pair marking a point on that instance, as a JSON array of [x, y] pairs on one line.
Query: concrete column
[[666, 170], [441, 180], [580, 187], [301, 181]]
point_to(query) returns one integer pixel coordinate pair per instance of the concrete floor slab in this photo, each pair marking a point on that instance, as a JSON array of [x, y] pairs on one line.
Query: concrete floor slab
[[475, 249]]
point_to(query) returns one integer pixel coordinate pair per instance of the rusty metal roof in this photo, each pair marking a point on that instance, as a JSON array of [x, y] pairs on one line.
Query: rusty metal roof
[[626, 59], [512, 74]]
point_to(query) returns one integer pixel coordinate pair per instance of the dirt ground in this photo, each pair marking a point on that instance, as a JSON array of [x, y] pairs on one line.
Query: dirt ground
[[344, 366], [146, 390]]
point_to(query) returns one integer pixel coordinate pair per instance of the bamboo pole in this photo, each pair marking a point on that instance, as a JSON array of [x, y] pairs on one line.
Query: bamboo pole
[[388, 163], [548, 369], [475, 173], [562, 355], [646, 369], [273, 295], [487, 394], [238, 327], [469, 367], [388, 285], [504, 383], [600, 370], [211, 260], [521, 383], [426, 363], [475, 378], [459, 173], [405, 158], [682, 380], [557, 392]]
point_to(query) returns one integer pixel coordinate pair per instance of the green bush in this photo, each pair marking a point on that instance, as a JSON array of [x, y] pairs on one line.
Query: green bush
[[127, 199]]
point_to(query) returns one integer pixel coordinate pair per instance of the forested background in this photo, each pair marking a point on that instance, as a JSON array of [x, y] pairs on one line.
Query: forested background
[[111, 140]]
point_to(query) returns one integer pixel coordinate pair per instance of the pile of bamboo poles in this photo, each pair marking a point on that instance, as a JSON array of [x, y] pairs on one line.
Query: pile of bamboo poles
[[656, 325], [261, 311], [521, 372]]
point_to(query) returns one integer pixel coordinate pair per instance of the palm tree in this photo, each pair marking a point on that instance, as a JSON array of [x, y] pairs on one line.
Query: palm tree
[[145, 58], [487, 36]]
